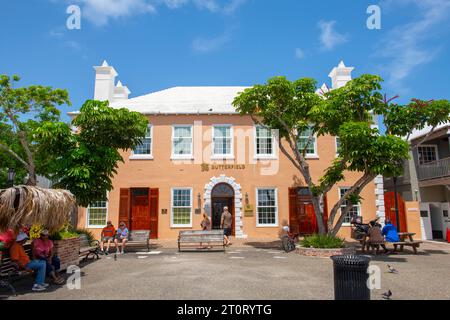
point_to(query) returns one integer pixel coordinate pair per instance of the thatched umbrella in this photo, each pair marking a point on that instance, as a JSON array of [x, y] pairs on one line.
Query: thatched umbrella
[[26, 205]]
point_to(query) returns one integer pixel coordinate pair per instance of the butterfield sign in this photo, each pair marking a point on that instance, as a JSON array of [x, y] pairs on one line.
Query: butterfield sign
[[207, 167]]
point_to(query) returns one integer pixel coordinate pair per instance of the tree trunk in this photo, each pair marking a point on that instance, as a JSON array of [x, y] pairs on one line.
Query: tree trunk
[[318, 210]]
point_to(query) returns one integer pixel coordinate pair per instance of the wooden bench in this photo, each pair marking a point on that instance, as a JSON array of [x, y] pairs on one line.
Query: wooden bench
[[192, 239], [407, 239], [9, 270], [414, 244], [138, 238], [88, 248]]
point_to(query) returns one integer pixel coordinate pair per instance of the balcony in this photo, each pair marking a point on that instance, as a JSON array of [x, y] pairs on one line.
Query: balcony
[[434, 170]]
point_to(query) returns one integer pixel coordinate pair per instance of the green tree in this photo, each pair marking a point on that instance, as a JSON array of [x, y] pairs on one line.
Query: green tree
[[35, 140], [294, 108]]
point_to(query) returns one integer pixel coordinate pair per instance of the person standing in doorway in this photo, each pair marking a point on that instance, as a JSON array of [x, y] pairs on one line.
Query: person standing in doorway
[[225, 224]]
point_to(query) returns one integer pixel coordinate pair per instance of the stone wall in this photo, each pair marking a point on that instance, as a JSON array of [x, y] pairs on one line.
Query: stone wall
[[68, 251]]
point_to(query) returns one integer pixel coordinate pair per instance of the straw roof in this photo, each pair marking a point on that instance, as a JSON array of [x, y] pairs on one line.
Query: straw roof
[[26, 205]]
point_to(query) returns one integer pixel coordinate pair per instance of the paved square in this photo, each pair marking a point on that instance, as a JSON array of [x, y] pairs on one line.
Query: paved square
[[244, 272]]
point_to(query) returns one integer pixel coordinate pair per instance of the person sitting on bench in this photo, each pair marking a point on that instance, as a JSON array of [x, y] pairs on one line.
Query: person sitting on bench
[[390, 232], [107, 236], [122, 236], [18, 255], [43, 250], [375, 237]]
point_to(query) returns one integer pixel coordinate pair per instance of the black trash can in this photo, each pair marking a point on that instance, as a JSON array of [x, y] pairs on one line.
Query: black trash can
[[350, 277]]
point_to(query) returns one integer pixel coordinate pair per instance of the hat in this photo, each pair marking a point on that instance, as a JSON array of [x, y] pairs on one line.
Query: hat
[[45, 232], [21, 236]]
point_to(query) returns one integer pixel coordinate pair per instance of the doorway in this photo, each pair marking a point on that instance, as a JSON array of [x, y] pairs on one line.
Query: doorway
[[222, 196], [139, 209]]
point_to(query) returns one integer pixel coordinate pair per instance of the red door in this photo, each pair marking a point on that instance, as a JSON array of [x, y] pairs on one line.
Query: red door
[[140, 209], [302, 218], [389, 205]]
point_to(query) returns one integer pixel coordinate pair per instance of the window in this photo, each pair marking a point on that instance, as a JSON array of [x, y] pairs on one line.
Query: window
[[182, 142], [223, 140], [338, 145], [264, 142], [97, 213], [181, 207], [267, 207], [354, 211], [304, 142], [427, 154], [145, 148]]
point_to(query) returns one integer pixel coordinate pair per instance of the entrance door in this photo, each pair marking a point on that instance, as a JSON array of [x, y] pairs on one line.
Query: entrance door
[[140, 209], [302, 218], [222, 196], [389, 204]]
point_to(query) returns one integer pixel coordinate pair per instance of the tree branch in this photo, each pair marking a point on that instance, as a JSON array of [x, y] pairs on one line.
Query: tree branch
[[15, 155]]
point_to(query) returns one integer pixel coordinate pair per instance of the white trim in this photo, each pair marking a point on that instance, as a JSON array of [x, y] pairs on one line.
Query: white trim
[[144, 156], [259, 225], [88, 226], [238, 206], [271, 156], [314, 155], [183, 156], [222, 156], [180, 226], [346, 224]]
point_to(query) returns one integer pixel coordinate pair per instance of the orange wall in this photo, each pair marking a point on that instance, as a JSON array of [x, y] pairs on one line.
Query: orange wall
[[163, 173]]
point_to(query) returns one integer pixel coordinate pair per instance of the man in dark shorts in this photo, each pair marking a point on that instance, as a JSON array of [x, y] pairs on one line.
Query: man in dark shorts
[[226, 224]]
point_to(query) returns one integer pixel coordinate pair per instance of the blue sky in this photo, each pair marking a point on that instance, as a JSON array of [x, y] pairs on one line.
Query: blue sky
[[155, 44]]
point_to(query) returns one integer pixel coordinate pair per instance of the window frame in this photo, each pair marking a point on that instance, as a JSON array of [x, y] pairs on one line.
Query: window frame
[[267, 156], [183, 156], [180, 226], [358, 206], [436, 149], [276, 224], [314, 155], [215, 156], [145, 156], [93, 226]]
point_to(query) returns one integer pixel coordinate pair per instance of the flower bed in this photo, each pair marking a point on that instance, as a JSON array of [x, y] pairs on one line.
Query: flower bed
[[315, 252], [68, 251]]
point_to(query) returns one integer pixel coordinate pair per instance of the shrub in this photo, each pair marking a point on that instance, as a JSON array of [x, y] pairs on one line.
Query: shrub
[[89, 234], [322, 242]]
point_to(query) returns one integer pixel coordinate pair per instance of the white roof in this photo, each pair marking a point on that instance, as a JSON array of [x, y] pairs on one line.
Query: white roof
[[184, 100], [420, 133]]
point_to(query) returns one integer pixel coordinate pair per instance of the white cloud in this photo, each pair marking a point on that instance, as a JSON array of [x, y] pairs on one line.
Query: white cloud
[[299, 53], [410, 45], [329, 37], [204, 45], [100, 12]]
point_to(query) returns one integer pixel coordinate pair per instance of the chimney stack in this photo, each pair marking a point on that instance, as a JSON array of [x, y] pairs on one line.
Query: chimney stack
[[121, 92], [104, 82], [340, 75]]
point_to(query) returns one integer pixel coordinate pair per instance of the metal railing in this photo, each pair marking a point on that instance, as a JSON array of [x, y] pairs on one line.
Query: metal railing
[[435, 169]]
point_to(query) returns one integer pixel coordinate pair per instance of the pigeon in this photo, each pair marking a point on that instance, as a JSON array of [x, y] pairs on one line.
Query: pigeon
[[391, 269], [387, 295], [115, 256]]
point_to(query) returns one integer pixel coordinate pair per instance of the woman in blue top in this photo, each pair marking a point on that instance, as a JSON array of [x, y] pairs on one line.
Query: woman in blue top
[[390, 232], [122, 236]]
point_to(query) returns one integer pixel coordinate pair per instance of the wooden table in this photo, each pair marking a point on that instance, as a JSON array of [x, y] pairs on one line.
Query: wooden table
[[407, 239]]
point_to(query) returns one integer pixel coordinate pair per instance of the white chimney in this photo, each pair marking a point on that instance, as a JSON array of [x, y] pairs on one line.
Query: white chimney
[[104, 82], [121, 92], [340, 75]]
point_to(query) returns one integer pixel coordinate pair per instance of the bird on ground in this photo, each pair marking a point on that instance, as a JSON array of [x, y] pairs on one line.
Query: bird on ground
[[387, 295], [391, 269]]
